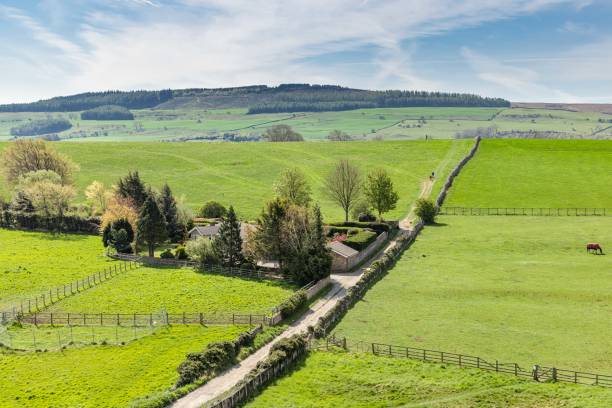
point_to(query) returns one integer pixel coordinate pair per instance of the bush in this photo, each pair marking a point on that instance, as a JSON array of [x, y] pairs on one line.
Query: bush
[[377, 227], [426, 210], [201, 250], [361, 239], [366, 217], [291, 305], [68, 223], [167, 254], [213, 209], [362, 209], [181, 253]]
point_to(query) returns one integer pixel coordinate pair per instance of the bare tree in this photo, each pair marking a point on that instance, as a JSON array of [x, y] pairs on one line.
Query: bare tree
[[343, 185]]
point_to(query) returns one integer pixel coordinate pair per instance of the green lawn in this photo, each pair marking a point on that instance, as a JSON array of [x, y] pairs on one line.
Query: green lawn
[[102, 376], [517, 289], [32, 262], [151, 290], [243, 174], [339, 379], [537, 173]]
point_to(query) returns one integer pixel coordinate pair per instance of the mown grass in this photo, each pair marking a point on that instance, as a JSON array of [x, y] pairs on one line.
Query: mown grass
[[153, 290], [537, 173], [339, 379], [517, 289], [243, 174], [32, 262], [102, 376]]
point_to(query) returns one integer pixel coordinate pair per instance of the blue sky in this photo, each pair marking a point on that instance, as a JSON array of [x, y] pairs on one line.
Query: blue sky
[[522, 50]]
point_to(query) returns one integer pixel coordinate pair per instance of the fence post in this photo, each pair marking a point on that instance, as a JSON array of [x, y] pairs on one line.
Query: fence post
[[201, 319], [554, 374], [496, 366], [373, 351]]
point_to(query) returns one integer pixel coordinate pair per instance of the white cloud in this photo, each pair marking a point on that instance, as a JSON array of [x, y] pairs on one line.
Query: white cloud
[[213, 43]]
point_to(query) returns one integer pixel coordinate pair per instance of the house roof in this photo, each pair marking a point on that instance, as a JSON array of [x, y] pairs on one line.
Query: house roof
[[206, 231], [344, 251]]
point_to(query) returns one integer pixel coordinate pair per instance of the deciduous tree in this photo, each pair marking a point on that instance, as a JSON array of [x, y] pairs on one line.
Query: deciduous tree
[[379, 192], [293, 187], [343, 185]]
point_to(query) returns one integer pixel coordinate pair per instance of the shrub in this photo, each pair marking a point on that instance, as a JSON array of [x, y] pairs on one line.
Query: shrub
[[213, 209], [201, 250], [377, 227], [360, 209], [366, 217], [181, 253], [216, 357], [167, 254], [361, 239], [291, 305], [426, 210]]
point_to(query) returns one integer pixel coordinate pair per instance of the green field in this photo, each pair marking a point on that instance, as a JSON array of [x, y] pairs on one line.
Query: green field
[[102, 376], [537, 173], [32, 262], [243, 174], [338, 379], [517, 289], [361, 124], [152, 290]]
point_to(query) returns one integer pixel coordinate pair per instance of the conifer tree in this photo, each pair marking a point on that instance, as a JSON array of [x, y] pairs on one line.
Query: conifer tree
[[319, 260], [174, 230], [151, 224], [228, 244], [131, 187]]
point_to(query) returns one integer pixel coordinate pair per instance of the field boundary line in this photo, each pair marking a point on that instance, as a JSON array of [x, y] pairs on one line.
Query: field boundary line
[[537, 373], [528, 211], [27, 306]]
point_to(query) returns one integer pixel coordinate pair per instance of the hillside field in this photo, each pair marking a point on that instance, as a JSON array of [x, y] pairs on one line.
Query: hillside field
[[32, 262], [102, 376], [516, 289], [537, 173], [151, 290], [243, 174], [165, 123], [339, 379]]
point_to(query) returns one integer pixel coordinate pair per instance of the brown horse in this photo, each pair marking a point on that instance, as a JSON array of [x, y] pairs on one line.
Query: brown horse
[[594, 247]]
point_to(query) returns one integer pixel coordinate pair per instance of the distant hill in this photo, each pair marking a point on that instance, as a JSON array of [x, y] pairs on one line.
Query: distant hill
[[572, 107], [259, 99]]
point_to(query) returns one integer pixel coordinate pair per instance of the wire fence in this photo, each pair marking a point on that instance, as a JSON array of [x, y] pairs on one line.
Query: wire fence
[[48, 298], [140, 319], [537, 372], [528, 211]]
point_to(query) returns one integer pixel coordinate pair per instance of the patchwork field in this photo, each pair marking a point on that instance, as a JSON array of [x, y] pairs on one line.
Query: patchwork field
[[243, 174], [32, 262], [102, 376], [537, 173], [151, 290], [334, 379], [361, 124], [517, 289]]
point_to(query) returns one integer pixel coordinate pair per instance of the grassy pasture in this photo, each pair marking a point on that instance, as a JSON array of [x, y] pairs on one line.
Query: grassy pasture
[[537, 173], [243, 174], [102, 376], [151, 290], [334, 379], [517, 289], [31, 262]]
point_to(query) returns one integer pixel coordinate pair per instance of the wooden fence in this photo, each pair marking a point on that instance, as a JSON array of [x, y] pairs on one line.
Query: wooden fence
[[215, 269], [545, 212], [52, 296], [141, 319], [537, 372]]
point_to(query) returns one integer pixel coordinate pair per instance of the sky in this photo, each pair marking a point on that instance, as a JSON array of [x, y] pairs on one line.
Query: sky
[[521, 50]]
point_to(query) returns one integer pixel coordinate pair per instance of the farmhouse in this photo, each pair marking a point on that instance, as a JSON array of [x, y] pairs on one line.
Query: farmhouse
[[211, 231]]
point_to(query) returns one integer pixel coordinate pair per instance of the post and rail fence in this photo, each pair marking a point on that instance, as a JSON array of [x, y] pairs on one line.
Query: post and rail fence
[[527, 211], [537, 372], [39, 303]]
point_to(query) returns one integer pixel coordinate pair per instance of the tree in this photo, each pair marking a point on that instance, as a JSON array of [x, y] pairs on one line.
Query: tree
[[27, 155], [174, 229], [119, 208], [379, 192], [213, 209], [293, 187], [21, 203], [151, 224], [343, 185], [118, 234], [319, 260], [97, 197], [132, 188], [45, 192], [267, 240], [425, 210], [228, 244], [282, 133], [339, 136]]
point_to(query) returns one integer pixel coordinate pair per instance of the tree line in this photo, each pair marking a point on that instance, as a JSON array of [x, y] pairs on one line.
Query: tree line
[[107, 112], [41, 127]]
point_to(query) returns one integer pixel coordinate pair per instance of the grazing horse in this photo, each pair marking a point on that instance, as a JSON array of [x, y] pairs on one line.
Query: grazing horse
[[594, 247]]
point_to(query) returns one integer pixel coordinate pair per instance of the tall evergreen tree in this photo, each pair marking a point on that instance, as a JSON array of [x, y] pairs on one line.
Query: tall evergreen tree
[[268, 239], [151, 224], [228, 244], [319, 260], [131, 187], [174, 229]]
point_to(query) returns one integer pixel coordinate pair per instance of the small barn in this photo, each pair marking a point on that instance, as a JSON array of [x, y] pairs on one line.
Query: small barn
[[342, 256]]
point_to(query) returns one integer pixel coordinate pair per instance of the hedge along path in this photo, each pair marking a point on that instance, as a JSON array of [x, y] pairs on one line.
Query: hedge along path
[[229, 379]]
